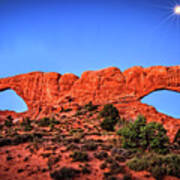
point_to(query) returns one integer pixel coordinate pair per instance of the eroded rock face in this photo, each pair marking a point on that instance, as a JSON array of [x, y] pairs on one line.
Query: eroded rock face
[[45, 93]]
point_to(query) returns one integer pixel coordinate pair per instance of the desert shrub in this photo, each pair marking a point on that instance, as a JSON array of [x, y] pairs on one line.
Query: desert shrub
[[107, 175], [120, 158], [79, 156], [151, 136], [78, 130], [158, 172], [111, 178], [46, 155], [106, 147], [85, 169], [65, 173], [26, 123], [65, 110], [158, 165], [101, 155], [138, 164], [127, 177], [1, 126], [121, 151], [176, 143], [90, 106], [9, 117], [108, 123], [72, 147], [110, 160], [44, 122], [103, 165], [79, 113], [110, 115], [8, 157], [172, 164], [90, 146], [53, 160], [19, 139], [115, 168], [109, 111], [177, 137], [20, 170], [9, 121], [5, 141]]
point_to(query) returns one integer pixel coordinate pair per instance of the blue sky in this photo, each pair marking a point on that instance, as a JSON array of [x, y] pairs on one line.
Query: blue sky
[[75, 36]]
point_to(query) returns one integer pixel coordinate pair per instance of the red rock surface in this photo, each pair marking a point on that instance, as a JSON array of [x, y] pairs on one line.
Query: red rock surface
[[47, 93]]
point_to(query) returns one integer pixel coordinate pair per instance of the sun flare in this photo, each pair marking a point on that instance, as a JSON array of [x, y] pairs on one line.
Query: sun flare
[[177, 10]]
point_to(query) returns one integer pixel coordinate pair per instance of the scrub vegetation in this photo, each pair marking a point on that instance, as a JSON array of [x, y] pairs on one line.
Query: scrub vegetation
[[91, 141]]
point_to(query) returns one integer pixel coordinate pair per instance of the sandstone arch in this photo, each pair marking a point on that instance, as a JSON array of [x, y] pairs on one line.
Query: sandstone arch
[[46, 92], [39, 89], [110, 84], [146, 80]]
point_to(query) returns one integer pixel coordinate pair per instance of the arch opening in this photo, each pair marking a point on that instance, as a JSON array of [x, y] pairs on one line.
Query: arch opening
[[9, 100], [165, 101]]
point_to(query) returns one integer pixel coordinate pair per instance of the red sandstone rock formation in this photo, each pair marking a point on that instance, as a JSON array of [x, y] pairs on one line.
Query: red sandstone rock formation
[[45, 93]]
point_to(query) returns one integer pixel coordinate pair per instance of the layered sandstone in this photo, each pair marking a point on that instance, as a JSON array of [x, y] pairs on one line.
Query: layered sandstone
[[45, 93]]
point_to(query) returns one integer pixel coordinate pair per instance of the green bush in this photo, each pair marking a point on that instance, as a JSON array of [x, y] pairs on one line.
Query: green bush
[[44, 122], [108, 123], [65, 173], [177, 137], [79, 156], [72, 147], [1, 126], [9, 121], [138, 164], [85, 169], [158, 165], [26, 123], [9, 117], [90, 146], [127, 177], [65, 110], [103, 165], [19, 139], [146, 136], [79, 113], [109, 111], [115, 168], [101, 155], [110, 115], [110, 177], [120, 158], [78, 130], [53, 160], [90, 106]]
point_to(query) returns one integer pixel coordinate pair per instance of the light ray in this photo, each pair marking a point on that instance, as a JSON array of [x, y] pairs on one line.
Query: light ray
[[174, 10], [164, 20], [162, 7], [173, 2], [170, 16]]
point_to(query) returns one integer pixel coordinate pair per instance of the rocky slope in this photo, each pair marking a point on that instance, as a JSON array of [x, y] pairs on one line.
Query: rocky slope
[[61, 135]]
